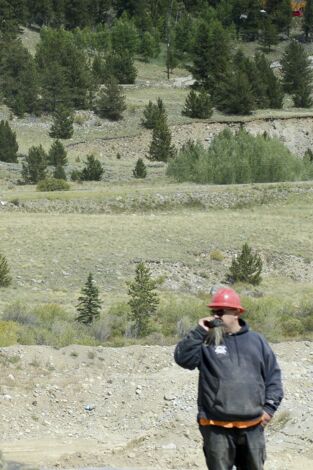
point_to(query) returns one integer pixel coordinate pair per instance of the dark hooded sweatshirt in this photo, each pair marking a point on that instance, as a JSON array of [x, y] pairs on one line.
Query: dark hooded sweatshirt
[[238, 380]]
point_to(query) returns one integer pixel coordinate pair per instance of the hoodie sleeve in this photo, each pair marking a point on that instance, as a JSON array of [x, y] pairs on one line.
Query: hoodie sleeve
[[273, 383], [187, 353]]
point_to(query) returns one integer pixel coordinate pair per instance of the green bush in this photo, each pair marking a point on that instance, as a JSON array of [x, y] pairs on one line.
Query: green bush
[[53, 184], [237, 158], [49, 313]]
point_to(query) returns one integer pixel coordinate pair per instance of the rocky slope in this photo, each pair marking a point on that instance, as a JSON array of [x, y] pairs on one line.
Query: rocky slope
[[131, 407]]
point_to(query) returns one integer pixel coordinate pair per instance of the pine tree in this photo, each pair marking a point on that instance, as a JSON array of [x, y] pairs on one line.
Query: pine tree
[[198, 105], [308, 19], [89, 304], [147, 46], [62, 126], [140, 170], [124, 36], [111, 102], [297, 74], [121, 67], [280, 12], [35, 165], [211, 55], [5, 278], [152, 113], [269, 35], [171, 60], [59, 173], [161, 148], [8, 144], [247, 267], [271, 87], [235, 94], [93, 170], [19, 80], [57, 154], [143, 299]]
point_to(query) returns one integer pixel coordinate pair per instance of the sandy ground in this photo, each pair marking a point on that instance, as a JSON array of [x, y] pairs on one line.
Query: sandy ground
[[131, 408]]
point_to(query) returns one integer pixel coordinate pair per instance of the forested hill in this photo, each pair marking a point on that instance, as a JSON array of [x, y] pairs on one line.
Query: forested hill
[[85, 44]]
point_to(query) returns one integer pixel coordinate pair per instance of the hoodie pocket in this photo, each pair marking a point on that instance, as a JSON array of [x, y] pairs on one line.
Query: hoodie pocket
[[240, 399]]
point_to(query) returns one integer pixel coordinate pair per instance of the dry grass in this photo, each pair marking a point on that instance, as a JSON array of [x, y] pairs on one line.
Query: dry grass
[[51, 254]]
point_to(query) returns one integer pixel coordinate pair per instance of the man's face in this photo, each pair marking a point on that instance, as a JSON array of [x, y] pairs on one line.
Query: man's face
[[229, 316]]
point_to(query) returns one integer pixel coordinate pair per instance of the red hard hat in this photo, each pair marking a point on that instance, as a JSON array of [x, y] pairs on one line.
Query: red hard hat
[[226, 298]]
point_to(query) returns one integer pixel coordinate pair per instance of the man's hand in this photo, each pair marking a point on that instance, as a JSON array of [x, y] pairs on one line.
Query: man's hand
[[204, 322], [266, 418]]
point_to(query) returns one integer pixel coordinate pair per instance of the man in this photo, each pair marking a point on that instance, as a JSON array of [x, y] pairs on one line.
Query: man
[[239, 386]]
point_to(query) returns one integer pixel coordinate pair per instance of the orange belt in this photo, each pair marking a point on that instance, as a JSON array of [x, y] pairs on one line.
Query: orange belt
[[230, 424]]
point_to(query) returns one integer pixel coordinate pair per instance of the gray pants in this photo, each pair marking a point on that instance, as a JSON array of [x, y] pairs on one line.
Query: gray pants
[[223, 448]]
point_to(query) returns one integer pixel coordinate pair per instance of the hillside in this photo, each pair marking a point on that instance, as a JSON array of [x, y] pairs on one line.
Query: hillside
[[131, 408]]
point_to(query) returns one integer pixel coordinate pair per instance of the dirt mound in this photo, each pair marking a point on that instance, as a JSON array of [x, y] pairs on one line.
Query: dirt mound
[[131, 407]]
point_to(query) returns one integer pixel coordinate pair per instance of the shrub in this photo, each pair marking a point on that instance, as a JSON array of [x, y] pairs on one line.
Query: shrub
[[5, 278], [247, 267], [292, 326], [237, 158], [57, 154], [19, 313], [47, 314], [140, 170], [53, 184], [8, 333], [216, 255]]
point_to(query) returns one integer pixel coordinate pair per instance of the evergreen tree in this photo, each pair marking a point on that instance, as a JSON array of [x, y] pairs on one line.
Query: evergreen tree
[[184, 35], [308, 19], [35, 165], [280, 12], [111, 102], [147, 46], [269, 35], [19, 81], [5, 278], [247, 267], [272, 88], [198, 105], [62, 126], [152, 112], [89, 304], [9, 27], [93, 170], [211, 56], [297, 75], [57, 154], [99, 70], [55, 89], [73, 81], [121, 67], [124, 36], [235, 95], [246, 17], [8, 144], [161, 148], [143, 299], [59, 173], [171, 60], [140, 170]]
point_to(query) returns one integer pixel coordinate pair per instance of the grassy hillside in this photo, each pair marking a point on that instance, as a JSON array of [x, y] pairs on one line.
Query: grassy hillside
[[187, 234]]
